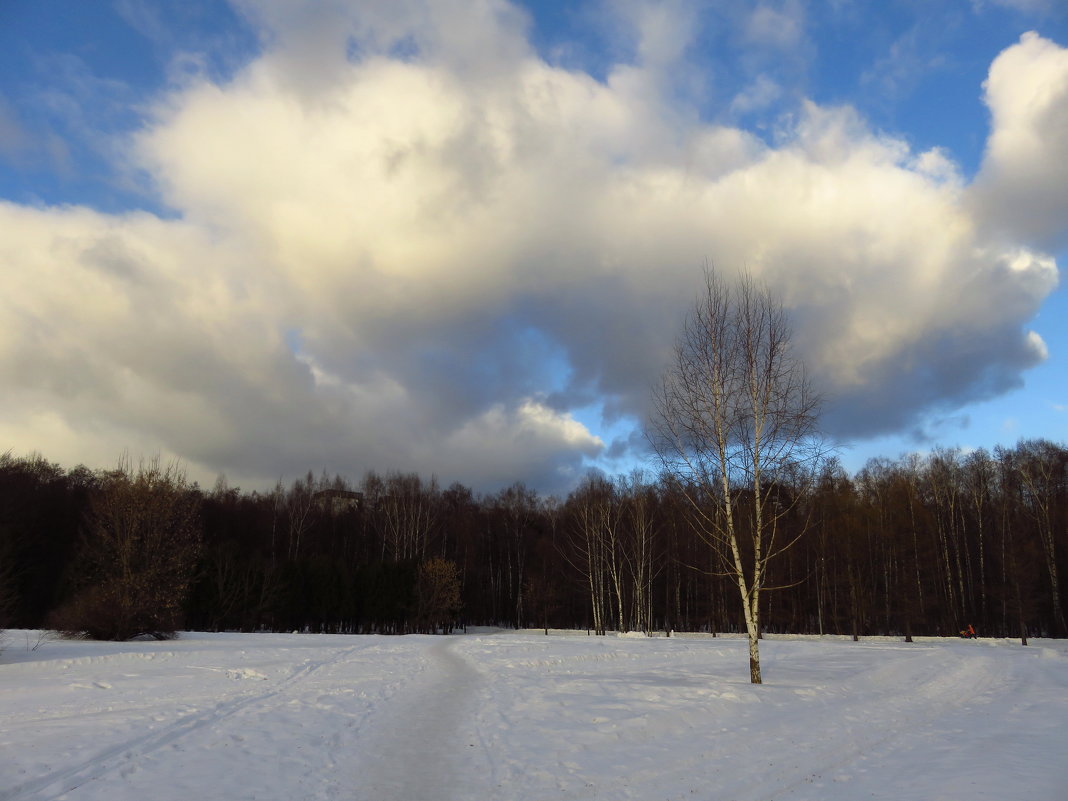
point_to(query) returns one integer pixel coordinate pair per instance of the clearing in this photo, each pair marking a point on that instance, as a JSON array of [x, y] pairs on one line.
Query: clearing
[[518, 715]]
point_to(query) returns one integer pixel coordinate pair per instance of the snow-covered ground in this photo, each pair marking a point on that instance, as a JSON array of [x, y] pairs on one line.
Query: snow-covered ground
[[533, 718]]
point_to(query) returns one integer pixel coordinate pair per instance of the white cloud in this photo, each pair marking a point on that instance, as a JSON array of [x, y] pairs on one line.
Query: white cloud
[[1037, 345], [423, 256], [542, 439], [781, 25], [1022, 188], [664, 30], [1027, 6], [908, 60], [759, 95], [13, 137]]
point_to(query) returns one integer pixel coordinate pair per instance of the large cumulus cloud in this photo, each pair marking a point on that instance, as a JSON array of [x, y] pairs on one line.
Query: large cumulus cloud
[[404, 240], [1020, 192]]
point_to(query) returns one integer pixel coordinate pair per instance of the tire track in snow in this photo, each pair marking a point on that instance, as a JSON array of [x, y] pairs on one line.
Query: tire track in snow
[[414, 752], [60, 782]]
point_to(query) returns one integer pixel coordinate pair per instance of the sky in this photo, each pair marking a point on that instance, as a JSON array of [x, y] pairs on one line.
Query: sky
[[459, 237]]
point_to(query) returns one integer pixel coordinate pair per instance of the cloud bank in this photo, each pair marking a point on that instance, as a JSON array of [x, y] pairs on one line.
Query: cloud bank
[[402, 239]]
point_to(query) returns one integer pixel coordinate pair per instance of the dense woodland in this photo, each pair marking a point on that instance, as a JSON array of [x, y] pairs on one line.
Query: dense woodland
[[920, 545]]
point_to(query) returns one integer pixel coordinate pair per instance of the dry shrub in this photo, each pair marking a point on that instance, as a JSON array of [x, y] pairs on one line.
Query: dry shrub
[[142, 538], [437, 595]]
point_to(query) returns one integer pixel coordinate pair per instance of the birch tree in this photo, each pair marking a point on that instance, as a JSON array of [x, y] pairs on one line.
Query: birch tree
[[1043, 472], [640, 546], [733, 411], [409, 510], [591, 512]]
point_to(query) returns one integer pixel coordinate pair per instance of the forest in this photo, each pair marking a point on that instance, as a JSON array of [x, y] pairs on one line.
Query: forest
[[918, 545]]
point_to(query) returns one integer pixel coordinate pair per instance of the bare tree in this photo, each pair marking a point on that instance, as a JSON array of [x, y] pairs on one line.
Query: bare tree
[[295, 513], [732, 413], [516, 508], [7, 590], [410, 510], [143, 537], [592, 511], [640, 546], [542, 598], [979, 485], [437, 595], [1043, 471]]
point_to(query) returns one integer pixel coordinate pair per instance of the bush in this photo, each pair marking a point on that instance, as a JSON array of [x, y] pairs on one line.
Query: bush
[[437, 595], [115, 610], [142, 538]]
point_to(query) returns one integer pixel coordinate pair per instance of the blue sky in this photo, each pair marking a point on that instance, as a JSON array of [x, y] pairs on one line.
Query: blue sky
[[459, 237]]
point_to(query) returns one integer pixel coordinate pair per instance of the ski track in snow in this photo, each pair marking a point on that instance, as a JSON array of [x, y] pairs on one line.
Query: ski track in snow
[[523, 717], [63, 781]]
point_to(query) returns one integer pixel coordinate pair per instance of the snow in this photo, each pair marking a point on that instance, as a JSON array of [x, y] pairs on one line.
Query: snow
[[520, 715]]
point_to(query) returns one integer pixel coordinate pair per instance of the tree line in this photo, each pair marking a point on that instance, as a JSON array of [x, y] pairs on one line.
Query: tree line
[[917, 545]]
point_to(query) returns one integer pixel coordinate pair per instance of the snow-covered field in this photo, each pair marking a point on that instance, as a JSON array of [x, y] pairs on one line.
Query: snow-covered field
[[524, 716]]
